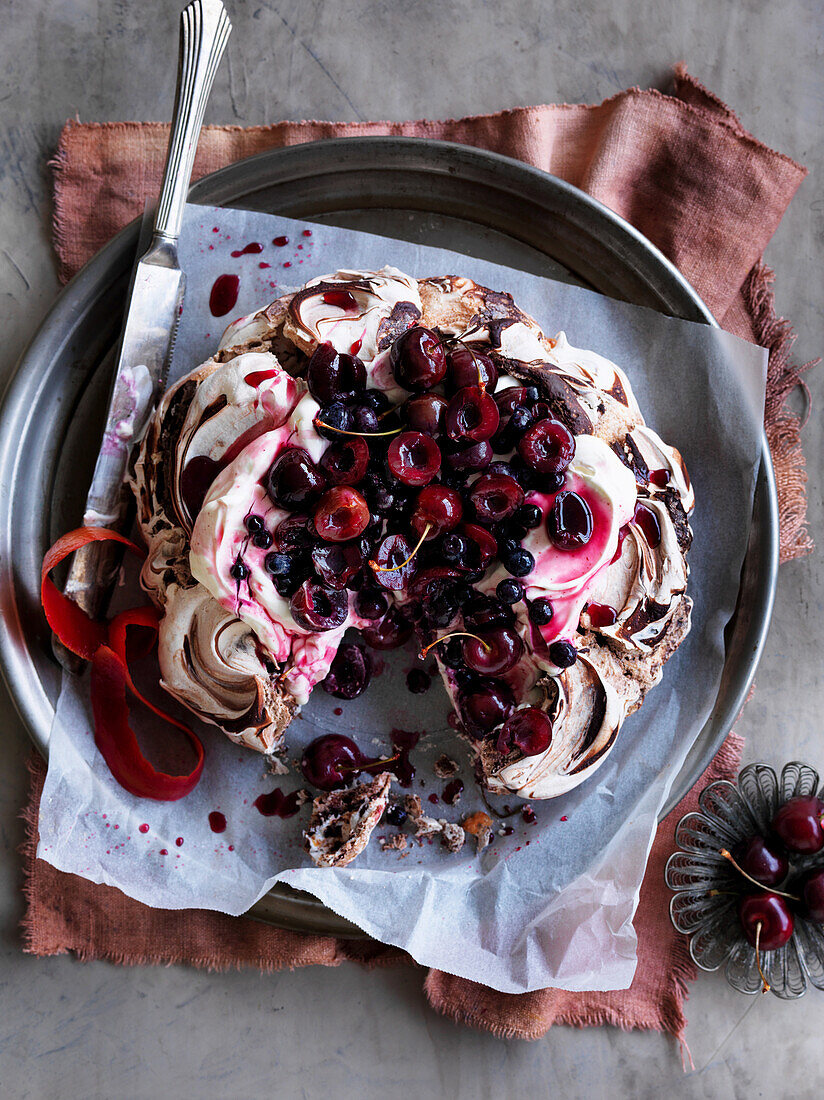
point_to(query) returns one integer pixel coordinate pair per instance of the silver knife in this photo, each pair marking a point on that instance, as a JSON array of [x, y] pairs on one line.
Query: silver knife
[[155, 303]]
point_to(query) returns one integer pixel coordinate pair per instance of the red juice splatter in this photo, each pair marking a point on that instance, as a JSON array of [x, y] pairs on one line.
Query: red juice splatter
[[255, 378], [288, 263], [343, 299], [661, 478], [279, 242], [601, 614], [300, 247], [433, 798], [648, 522], [528, 815], [565, 818], [217, 821], [143, 828], [216, 230], [264, 265], [224, 294], [164, 851], [452, 792], [277, 804], [232, 847], [179, 841], [507, 830], [338, 711], [307, 233], [251, 249]]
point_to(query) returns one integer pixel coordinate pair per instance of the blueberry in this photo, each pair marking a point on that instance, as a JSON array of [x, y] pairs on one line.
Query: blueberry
[[239, 570], [337, 418], [455, 548], [529, 516], [279, 565], [540, 611], [452, 654], [519, 563], [520, 419], [375, 399], [396, 815], [365, 419], [509, 591], [262, 540], [563, 654], [254, 524]]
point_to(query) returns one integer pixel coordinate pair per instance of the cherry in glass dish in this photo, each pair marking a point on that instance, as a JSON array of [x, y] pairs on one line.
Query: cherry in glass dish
[[749, 869]]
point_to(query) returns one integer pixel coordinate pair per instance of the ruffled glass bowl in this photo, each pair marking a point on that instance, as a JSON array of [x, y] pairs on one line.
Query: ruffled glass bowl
[[729, 814]]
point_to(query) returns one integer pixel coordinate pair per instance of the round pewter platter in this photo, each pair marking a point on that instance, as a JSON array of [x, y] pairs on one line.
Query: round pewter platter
[[456, 197]]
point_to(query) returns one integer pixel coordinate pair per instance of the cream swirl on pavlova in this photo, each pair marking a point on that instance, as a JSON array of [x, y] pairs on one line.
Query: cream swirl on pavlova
[[380, 452]]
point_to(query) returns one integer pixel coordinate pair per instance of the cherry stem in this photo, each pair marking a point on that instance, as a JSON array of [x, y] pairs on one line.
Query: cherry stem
[[766, 984], [343, 431], [368, 764], [453, 634], [391, 568], [770, 889]]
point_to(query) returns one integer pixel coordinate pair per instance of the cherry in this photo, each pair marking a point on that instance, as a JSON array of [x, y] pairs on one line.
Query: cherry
[[484, 612], [333, 375], [296, 532], [333, 419], [484, 708], [509, 591], [762, 861], [569, 521], [393, 565], [417, 359], [341, 514], [331, 761], [425, 413], [800, 824], [493, 653], [811, 888], [540, 611], [509, 398], [455, 549], [262, 540], [349, 673], [317, 608], [772, 913], [465, 460], [471, 415], [345, 462], [483, 547], [337, 563], [293, 479], [563, 654], [529, 730], [437, 509], [365, 419], [389, 632], [496, 497], [471, 368], [371, 603], [414, 458]]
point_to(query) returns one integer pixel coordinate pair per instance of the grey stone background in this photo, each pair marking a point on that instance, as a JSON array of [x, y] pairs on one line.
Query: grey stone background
[[94, 1030]]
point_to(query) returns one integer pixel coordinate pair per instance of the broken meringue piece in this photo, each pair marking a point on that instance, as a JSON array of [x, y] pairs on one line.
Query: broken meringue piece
[[342, 821]]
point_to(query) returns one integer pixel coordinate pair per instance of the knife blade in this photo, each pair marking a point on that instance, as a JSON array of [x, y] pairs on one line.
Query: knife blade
[[155, 302]]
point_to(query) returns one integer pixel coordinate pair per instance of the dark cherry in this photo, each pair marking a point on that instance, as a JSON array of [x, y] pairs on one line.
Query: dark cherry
[[293, 479], [484, 545], [472, 415], [772, 913], [331, 761], [375, 399], [563, 654], [389, 632], [295, 532], [317, 608], [485, 707], [540, 611], [371, 603], [509, 590], [336, 563], [811, 888], [345, 462], [529, 730], [438, 508], [341, 514], [798, 823], [417, 359], [471, 368], [393, 551], [763, 861], [467, 460], [451, 654], [647, 520], [494, 652], [496, 497], [569, 521], [333, 419], [509, 398], [349, 673], [333, 375], [425, 413], [414, 458]]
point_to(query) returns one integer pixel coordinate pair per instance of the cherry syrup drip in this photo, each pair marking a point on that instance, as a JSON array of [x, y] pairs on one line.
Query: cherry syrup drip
[[280, 242], [179, 842], [143, 828], [277, 804], [343, 299], [660, 478], [403, 741], [251, 249], [356, 347], [648, 522], [601, 615], [307, 233], [622, 534], [452, 792], [164, 851], [195, 480], [433, 798], [528, 815], [217, 821], [224, 294], [263, 264], [257, 376]]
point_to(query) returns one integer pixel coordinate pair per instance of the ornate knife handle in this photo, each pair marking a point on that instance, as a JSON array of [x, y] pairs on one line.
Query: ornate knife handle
[[204, 31]]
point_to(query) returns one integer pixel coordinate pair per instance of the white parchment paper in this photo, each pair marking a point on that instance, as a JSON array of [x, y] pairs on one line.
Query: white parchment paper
[[552, 903]]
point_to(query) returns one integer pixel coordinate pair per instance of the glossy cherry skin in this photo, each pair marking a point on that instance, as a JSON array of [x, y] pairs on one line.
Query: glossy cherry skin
[[496, 497], [466, 367], [350, 672], [547, 446], [414, 458], [494, 652], [296, 532], [394, 550], [773, 914], [472, 415], [763, 861], [316, 608], [425, 412], [293, 479], [371, 603], [417, 359], [484, 708], [798, 823], [483, 546], [341, 514], [331, 761], [333, 375], [811, 888], [346, 461], [336, 563], [389, 632], [467, 460], [529, 730], [569, 521], [438, 508]]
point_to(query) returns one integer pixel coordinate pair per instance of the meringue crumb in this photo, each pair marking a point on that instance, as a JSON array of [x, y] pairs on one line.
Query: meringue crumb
[[444, 767]]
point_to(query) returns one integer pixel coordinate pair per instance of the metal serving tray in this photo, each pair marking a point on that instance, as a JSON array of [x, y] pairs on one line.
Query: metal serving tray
[[453, 196]]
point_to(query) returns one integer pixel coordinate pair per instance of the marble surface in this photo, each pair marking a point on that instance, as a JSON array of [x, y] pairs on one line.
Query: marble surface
[[71, 1029]]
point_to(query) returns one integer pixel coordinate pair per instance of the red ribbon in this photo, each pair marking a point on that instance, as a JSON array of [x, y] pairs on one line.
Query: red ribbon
[[109, 647]]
